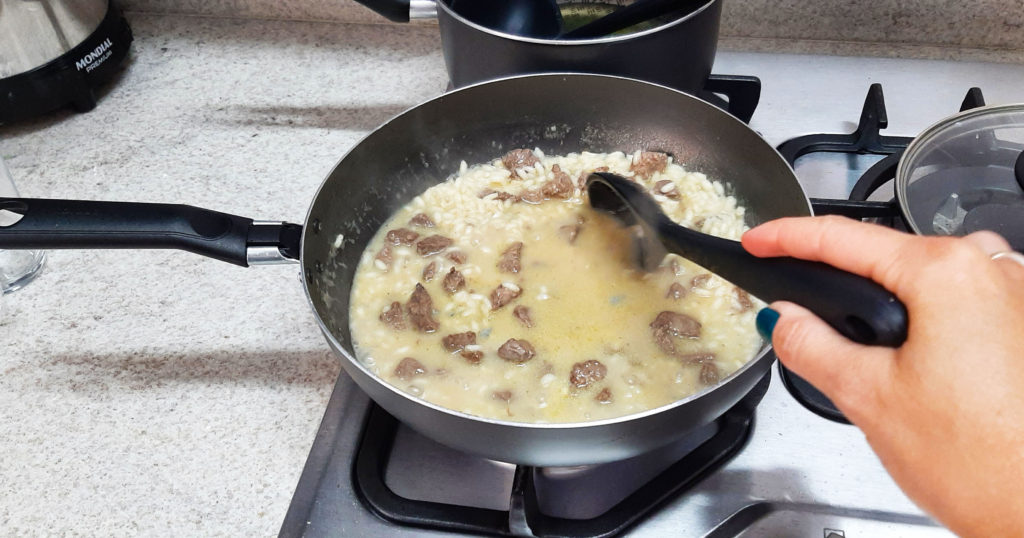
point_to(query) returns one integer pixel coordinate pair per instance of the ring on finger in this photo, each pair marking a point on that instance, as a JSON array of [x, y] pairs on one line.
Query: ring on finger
[[1011, 255]]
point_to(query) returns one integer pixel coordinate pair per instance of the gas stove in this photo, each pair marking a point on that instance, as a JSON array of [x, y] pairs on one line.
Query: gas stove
[[768, 467]]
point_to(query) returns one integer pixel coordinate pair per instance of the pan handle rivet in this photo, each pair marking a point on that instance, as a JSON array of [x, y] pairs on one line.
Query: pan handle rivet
[[319, 267], [317, 226]]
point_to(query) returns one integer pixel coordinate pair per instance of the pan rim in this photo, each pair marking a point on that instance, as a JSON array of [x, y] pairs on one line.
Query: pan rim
[[763, 354]]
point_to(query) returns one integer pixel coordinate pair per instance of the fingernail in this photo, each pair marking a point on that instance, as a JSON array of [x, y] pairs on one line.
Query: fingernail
[[766, 320]]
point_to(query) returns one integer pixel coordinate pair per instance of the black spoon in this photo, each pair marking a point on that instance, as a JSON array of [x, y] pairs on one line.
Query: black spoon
[[855, 306], [529, 18], [635, 13]]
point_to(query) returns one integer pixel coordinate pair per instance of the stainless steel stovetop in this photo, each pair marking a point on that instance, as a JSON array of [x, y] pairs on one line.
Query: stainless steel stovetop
[[799, 475]]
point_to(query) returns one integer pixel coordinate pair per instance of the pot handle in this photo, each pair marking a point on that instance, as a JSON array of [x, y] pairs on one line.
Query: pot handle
[[402, 10], [77, 224]]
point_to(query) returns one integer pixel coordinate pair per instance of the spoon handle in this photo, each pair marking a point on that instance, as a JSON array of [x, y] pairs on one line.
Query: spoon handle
[[857, 307]]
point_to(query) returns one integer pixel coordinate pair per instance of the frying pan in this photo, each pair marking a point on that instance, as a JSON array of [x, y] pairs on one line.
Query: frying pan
[[558, 113]]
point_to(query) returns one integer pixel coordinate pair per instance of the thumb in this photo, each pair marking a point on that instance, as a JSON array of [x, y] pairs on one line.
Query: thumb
[[850, 374]]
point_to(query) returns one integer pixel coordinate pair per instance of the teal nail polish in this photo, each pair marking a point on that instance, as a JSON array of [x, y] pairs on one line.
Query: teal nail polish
[[766, 320]]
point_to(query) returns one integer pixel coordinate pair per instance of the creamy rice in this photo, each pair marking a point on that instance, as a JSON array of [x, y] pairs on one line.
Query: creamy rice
[[585, 301]]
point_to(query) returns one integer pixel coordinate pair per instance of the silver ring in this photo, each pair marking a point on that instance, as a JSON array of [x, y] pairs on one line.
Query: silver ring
[[1011, 255]]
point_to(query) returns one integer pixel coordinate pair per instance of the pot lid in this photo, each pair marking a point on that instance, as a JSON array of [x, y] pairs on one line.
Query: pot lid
[[965, 174]]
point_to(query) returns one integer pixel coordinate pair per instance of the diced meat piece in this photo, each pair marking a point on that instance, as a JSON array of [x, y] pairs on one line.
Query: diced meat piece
[[605, 396], [503, 295], [667, 189], [503, 395], [458, 341], [428, 246], [422, 220], [743, 299], [453, 281], [420, 310], [500, 196], [512, 258], [582, 180], [648, 163], [430, 271], [697, 358], [457, 256], [671, 325], [559, 187], [570, 232], [472, 357], [700, 281], [392, 317], [409, 368], [519, 158], [677, 324], [402, 236], [586, 373], [385, 259], [676, 291], [709, 373], [517, 351], [531, 196], [522, 313]]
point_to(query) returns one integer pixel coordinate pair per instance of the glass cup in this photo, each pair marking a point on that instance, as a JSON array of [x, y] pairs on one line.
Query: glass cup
[[17, 267]]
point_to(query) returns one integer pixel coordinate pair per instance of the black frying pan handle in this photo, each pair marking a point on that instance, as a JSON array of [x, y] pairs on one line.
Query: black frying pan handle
[[855, 306], [74, 224], [392, 10], [1018, 170]]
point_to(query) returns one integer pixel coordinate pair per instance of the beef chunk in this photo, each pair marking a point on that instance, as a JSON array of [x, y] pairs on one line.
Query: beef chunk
[[667, 189], [430, 271], [503, 295], [501, 196], [392, 317], [676, 291], [559, 187], [648, 163], [605, 396], [700, 281], [697, 358], [671, 325], [385, 257], [409, 368], [532, 196], [472, 357], [429, 246], [518, 351], [458, 341], [709, 373], [402, 236], [422, 220], [522, 313], [503, 395], [453, 281], [456, 256], [743, 299], [586, 373], [582, 180], [420, 309], [519, 158], [512, 258]]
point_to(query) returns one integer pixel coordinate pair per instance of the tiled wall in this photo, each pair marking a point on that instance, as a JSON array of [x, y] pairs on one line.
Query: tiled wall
[[984, 28]]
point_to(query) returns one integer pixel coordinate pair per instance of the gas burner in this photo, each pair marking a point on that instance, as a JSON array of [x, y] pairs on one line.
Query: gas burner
[[408, 479]]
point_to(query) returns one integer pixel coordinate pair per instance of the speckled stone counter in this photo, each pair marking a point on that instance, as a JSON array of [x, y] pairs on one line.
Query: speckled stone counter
[[161, 393], [164, 394]]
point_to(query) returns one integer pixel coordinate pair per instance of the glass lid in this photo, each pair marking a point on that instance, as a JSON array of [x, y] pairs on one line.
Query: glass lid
[[965, 174]]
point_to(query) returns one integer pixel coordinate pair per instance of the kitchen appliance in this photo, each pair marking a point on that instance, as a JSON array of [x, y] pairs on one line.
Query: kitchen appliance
[[787, 473], [57, 52], [677, 51]]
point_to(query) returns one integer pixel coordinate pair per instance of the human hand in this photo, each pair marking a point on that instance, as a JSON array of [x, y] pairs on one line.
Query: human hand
[[944, 412]]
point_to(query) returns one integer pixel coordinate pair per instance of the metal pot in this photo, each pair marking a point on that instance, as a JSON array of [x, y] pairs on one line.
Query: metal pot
[[558, 113], [678, 53]]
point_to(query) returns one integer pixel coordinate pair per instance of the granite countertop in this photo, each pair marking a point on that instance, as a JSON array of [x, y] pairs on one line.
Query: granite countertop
[[161, 393]]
